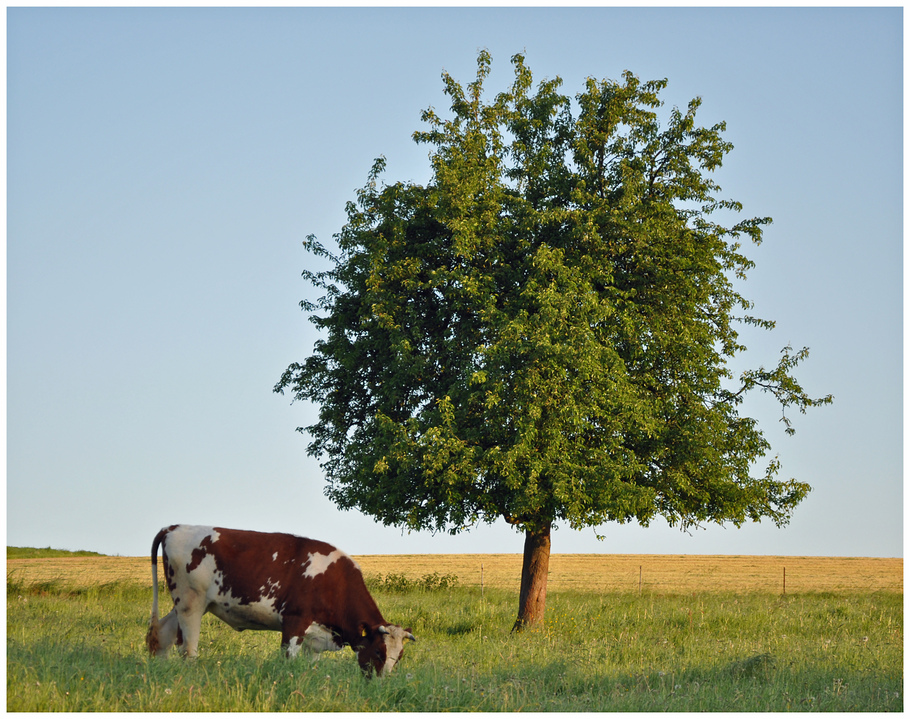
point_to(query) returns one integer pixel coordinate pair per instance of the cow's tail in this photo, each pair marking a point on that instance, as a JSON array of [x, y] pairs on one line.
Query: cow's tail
[[151, 638]]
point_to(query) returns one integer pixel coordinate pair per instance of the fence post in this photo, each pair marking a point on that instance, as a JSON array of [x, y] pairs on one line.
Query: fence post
[[785, 581], [639, 580], [481, 580]]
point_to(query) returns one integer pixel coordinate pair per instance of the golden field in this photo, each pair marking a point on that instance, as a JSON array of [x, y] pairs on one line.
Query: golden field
[[581, 572]]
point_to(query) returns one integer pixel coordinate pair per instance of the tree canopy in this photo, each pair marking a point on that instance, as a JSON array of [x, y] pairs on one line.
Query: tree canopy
[[542, 332]]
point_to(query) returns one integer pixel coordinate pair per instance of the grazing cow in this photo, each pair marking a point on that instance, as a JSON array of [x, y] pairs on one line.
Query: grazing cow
[[310, 591]]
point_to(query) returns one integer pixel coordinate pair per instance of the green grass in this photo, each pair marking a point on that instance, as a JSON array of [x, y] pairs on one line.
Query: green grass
[[83, 650], [33, 553]]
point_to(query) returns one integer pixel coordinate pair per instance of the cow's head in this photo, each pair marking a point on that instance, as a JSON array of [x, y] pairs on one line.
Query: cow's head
[[382, 648]]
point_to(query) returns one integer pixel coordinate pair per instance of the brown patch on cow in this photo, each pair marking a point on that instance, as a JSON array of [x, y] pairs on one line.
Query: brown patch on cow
[[253, 551], [200, 553]]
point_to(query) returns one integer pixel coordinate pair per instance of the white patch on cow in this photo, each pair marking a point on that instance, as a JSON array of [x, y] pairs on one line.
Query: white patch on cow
[[319, 563], [261, 614], [270, 589], [315, 640], [320, 639], [181, 542], [275, 556], [180, 545]]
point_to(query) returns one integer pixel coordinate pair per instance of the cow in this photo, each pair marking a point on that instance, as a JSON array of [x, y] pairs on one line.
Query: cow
[[308, 590]]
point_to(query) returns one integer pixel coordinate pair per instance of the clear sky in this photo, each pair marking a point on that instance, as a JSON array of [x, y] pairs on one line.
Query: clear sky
[[164, 166]]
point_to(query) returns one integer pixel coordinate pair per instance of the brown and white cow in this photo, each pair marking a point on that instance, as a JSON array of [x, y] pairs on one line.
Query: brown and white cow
[[308, 590]]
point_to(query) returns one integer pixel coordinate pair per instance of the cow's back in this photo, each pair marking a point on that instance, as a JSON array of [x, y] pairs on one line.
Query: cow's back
[[243, 562]]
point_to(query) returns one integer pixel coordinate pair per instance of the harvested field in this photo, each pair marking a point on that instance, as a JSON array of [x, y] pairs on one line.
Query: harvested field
[[660, 574]]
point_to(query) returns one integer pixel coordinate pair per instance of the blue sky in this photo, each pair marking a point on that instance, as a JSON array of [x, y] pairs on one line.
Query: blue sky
[[164, 166]]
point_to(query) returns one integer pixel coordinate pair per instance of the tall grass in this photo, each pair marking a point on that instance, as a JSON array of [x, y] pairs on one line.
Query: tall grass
[[82, 649]]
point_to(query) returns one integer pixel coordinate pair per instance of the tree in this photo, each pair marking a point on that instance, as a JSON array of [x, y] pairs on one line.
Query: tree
[[542, 332]]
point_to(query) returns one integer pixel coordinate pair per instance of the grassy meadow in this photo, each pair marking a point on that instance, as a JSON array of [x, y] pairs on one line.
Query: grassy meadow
[[690, 641]]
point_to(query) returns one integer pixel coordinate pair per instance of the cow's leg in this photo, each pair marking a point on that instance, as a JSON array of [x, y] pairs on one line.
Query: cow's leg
[[167, 633], [292, 647], [292, 639], [189, 619]]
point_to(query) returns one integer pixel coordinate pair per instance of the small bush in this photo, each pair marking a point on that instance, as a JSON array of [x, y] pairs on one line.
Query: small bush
[[438, 581], [393, 582]]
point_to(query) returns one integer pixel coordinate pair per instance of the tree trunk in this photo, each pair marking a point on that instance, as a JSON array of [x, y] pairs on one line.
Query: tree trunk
[[532, 600]]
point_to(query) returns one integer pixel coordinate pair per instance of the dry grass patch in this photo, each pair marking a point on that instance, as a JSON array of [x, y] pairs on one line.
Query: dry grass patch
[[80, 571], [579, 572], [658, 573]]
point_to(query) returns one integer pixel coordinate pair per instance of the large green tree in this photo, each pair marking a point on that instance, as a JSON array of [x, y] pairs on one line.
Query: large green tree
[[542, 333]]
